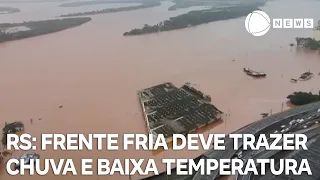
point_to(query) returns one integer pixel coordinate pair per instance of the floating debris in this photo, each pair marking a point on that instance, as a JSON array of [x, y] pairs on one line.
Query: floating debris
[[294, 80], [60, 106], [264, 115], [254, 73], [39, 119], [291, 44]]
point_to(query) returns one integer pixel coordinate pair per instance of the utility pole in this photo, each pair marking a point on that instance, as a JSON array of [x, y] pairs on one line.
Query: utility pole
[[225, 123]]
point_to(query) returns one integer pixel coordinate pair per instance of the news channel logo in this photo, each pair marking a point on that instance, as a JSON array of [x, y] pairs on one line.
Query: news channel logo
[[258, 23]]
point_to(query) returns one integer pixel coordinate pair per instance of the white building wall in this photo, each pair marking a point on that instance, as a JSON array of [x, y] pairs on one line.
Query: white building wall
[[316, 34]]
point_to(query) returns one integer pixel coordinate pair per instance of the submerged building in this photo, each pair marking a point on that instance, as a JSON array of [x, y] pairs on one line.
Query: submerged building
[[170, 110], [316, 32]]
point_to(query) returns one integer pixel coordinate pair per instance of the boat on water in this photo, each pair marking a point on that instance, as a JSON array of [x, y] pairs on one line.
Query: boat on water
[[254, 73], [306, 76]]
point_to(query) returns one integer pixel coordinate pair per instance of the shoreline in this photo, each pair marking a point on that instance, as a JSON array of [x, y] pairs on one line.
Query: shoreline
[[8, 10], [88, 3], [195, 18], [37, 28], [113, 10]]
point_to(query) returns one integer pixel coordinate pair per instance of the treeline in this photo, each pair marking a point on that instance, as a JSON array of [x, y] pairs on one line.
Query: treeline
[[210, 3], [87, 3], [302, 98], [186, 4], [308, 43], [7, 10], [38, 28], [194, 18], [113, 10], [7, 129]]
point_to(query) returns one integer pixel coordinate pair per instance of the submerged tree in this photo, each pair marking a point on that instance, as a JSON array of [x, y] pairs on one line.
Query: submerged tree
[[302, 98], [8, 128], [3, 150]]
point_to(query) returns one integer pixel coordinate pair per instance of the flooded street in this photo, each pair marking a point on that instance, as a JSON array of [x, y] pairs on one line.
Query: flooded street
[[94, 73]]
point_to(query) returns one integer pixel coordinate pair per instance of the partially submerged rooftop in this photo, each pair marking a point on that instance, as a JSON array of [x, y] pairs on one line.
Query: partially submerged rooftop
[[170, 110]]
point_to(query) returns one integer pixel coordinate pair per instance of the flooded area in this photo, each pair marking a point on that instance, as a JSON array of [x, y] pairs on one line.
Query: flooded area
[[94, 73], [14, 29], [51, 10]]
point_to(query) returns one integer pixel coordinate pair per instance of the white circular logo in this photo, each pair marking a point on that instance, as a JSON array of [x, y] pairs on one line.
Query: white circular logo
[[257, 23]]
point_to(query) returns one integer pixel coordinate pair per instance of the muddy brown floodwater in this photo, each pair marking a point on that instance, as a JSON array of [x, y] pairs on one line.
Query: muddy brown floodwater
[[94, 73]]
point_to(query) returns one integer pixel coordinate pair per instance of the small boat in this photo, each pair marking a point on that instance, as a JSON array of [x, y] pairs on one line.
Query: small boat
[[254, 73], [246, 69], [294, 80], [306, 76]]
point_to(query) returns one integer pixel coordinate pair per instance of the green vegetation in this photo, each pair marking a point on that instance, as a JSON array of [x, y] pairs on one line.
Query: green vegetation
[[8, 128], [87, 3], [145, 4], [194, 18], [302, 98], [37, 28], [308, 43], [7, 10], [3, 154], [13, 127], [189, 3], [210, 3], [28, 1]]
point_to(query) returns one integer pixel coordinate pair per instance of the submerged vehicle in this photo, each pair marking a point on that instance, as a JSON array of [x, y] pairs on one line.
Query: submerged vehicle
[[26, 157]]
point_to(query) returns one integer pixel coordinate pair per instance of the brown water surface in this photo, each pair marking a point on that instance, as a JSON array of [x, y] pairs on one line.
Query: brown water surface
[[94, 73]]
